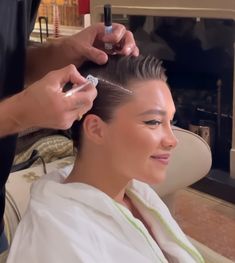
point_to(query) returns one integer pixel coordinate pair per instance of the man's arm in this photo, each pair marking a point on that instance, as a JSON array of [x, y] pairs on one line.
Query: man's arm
[[8, 108], [43, 58]]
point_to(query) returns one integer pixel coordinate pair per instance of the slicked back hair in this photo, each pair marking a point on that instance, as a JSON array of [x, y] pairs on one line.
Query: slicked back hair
[[114, 77]]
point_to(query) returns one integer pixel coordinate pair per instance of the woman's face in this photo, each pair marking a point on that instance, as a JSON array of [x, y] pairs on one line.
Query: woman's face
[[139, 138]]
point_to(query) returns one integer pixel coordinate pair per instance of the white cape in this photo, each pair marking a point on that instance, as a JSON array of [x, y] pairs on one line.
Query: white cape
[[77, 223]]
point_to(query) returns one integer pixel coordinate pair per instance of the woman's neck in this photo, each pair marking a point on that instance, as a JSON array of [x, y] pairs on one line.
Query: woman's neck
[[102, 177]]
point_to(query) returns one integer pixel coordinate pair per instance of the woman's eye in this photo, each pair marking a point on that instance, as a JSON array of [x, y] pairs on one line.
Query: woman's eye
[[153, 122]]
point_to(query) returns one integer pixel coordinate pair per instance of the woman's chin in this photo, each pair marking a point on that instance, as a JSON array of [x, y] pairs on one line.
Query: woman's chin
[[156, 179]]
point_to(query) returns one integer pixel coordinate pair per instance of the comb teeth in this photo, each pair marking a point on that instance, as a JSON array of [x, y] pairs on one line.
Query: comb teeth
[[92, 80]]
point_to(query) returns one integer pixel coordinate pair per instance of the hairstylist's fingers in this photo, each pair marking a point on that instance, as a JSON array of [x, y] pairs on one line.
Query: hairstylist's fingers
[[74, 75], [96, 55], [74, 115], [69, 73], [123, 40], [77, 105], [117, 35], [82, 100], [93, 39], [127, 46], [45, 95], [136, 52]]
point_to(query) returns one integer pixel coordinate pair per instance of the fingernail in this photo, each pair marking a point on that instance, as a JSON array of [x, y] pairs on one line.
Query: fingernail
[[80, 117], [128, 50], [101, 59]]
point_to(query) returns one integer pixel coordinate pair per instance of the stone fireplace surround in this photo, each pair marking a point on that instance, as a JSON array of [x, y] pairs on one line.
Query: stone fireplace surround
[[174, 8]]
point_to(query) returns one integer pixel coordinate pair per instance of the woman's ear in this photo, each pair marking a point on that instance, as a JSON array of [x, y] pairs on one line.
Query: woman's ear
[[94, 128]]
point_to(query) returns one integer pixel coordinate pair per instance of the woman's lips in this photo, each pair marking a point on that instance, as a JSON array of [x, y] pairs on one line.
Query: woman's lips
[[162, 158]]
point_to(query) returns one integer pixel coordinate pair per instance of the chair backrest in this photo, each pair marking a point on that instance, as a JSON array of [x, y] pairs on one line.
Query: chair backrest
[[191, 161]]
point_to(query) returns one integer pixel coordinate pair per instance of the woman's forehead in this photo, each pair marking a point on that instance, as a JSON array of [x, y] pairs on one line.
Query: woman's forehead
[[138, 83], [153, 87], [150, 95]]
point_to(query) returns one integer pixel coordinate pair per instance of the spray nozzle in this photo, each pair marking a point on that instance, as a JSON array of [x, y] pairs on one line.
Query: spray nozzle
[[70, 88]]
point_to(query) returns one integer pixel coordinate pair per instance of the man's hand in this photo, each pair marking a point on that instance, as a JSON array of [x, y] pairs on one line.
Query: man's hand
[[44, 104], [89, 43]]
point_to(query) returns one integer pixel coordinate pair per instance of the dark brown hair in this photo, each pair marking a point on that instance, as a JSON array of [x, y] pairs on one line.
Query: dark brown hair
[[112, 87]]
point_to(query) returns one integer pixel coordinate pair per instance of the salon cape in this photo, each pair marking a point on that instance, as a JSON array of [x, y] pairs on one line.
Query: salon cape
[[77, 223]]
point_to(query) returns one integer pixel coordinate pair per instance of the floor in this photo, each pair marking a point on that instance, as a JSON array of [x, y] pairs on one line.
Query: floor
[[207, 219]]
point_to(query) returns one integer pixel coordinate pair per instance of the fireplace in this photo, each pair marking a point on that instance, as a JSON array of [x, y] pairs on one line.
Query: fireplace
[[199, 61]]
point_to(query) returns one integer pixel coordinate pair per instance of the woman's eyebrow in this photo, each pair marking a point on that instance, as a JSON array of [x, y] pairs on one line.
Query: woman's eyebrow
[[153, 111]]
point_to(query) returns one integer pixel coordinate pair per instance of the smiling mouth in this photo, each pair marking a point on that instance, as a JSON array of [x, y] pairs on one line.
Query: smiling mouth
[[163, 159]]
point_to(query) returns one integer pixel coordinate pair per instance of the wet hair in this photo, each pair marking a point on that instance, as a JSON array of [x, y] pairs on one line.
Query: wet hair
[[113, 90]]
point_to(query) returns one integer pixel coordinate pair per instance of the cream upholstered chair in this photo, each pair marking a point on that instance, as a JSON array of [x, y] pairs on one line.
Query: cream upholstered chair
[[190, 162]]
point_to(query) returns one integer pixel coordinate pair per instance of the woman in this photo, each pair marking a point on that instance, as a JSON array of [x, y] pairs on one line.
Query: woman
[[104, 210]]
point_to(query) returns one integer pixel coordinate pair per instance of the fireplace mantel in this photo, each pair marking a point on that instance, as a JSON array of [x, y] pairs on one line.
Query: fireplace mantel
[[182, 8], [174, 8]]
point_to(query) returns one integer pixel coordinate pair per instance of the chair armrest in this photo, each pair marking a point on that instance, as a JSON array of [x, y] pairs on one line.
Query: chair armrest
[[208, 254]]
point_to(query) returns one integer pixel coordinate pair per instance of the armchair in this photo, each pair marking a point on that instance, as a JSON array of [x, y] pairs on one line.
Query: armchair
[[191, 161]]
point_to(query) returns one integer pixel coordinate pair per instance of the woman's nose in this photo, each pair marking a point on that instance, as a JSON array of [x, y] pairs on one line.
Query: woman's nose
[[170, 141]]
